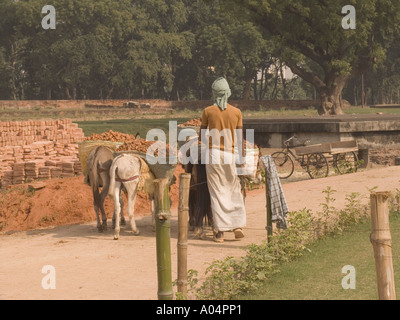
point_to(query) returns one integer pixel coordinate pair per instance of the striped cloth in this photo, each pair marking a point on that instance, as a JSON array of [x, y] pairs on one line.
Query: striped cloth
[[279, 206]]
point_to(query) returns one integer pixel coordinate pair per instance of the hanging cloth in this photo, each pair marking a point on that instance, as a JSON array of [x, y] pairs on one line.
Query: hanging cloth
[[279, 206]]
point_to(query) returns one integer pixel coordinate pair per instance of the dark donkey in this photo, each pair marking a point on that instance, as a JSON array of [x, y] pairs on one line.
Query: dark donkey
[[199, 198], [199, 195], [98, 176]]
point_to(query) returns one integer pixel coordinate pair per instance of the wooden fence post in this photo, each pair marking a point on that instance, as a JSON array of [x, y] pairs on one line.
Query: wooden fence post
[[381, 240], [163, 246], [183, 218], [268, 207]]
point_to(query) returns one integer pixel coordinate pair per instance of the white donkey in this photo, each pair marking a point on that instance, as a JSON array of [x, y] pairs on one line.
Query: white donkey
[[125, 170]]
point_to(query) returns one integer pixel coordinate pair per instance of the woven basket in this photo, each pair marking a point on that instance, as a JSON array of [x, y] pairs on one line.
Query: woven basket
[[86, 147], [146, 178]]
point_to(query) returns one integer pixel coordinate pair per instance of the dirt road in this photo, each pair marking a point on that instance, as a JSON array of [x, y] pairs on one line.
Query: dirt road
[[89, 265]]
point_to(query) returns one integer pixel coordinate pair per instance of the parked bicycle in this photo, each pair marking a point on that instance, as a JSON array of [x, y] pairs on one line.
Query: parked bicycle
[[316, 164], [314, 158]]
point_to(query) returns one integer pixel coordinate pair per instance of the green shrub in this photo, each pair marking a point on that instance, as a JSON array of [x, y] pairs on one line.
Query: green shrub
[[232, 277]]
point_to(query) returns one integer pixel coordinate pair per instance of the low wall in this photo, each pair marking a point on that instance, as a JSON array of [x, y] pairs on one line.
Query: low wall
[[251, 104], [369, 130], [157, 103], [64, 104]]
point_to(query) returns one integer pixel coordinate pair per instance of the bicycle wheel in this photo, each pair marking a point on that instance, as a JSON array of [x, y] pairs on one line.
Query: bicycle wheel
[[346, 162], [317, 166], [283, 163]]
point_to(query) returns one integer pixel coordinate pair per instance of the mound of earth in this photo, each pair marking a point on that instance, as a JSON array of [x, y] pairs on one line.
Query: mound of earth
[[58, 202]]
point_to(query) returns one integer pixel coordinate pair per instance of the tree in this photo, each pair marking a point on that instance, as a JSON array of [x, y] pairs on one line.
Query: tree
[[311, 31], [234, 49], [12, 44], [82, 57], [161, 46], [249, 47]]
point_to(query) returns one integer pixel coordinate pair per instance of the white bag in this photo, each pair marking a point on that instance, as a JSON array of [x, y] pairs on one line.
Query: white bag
[[250, 162]]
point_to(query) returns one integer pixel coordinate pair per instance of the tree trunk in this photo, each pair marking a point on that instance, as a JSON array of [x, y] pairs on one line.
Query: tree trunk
[[284, 91], [398, 94], [331, 94], [274, 92], [330, 101], [355, 93], [13, 57], [329, 89], [175, 91], [255, 91], [67, 93], [261, 88], [246, 91], [382, 96], [110, 93], [249, 75]]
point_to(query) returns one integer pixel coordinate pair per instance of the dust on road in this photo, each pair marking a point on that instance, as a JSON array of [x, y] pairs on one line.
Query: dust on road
[[90, 265]]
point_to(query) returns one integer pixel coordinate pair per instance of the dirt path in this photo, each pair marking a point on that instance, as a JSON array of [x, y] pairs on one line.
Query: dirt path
[[90, 265]]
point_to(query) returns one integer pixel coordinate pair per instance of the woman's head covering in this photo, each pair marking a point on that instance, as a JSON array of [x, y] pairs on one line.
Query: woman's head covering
[[221, 93]]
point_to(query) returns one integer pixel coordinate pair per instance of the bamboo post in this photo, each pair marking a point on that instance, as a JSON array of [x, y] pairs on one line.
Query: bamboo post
[[381, 240], [183, 218], [269, 210], [163, 246]]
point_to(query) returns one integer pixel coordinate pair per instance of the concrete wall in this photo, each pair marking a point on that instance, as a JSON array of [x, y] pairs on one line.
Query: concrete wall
[[368, 130]]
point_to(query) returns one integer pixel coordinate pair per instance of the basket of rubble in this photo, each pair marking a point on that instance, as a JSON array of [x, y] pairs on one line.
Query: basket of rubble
[[86, 147], [190, 128]]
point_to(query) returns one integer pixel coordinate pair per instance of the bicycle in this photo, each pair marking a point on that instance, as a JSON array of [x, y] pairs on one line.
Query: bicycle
[[316, 164]]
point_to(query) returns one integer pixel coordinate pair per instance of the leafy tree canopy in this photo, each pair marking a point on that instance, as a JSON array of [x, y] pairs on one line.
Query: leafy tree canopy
[[311, 33]]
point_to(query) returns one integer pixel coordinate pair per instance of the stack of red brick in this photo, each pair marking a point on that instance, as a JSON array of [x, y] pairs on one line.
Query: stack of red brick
[[31, 150], [19, 133]]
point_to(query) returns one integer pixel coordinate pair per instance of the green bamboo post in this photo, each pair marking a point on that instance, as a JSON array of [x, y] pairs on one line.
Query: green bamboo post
[[269, 210], [183, 219], [163, 226]]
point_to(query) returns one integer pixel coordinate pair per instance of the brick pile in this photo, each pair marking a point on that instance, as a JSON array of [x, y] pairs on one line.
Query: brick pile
[[31, 150], [19, 133]]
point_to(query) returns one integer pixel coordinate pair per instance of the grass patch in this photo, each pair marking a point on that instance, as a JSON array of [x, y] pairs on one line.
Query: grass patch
[[305, 260], [317, 275], [89, 115], [371, 110], [144, 123]]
